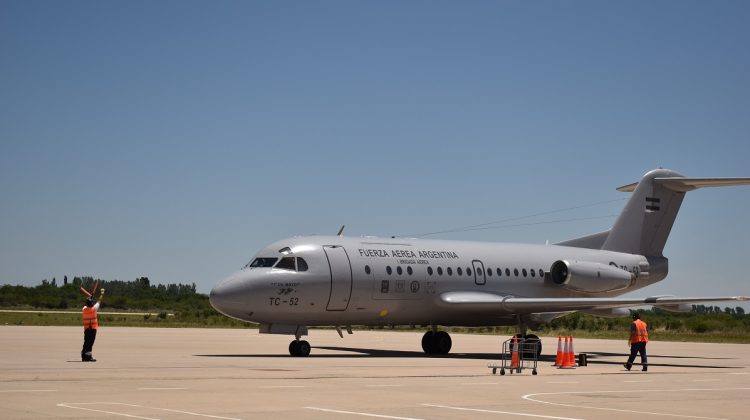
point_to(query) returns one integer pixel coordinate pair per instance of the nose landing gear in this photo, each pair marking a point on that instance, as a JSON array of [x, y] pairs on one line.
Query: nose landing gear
[[299, 348]]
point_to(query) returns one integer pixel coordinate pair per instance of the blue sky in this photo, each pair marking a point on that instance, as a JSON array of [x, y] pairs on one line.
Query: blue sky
[[174, 139]]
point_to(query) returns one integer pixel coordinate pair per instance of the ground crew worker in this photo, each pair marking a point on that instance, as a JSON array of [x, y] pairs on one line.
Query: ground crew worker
[[637, 341], [90, 325]]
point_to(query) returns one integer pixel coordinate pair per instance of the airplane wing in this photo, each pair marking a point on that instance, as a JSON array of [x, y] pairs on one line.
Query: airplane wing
[[515, 305]]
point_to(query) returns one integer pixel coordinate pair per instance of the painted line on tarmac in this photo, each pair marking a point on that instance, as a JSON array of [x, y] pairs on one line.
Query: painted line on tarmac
[[283, 386], [479, 410], [114, 413], [528, 397], [73, 406], [357, 413], [159, 389], [562, 382], [738, 373], [27, 390], [706, 380], [637, 382]]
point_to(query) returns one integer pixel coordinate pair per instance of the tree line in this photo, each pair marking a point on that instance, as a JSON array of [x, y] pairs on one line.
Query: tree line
[[138, 294]]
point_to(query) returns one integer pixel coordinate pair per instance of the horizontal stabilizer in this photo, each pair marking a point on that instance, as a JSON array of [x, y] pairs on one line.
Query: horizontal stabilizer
[[517, 305], [682, 184]]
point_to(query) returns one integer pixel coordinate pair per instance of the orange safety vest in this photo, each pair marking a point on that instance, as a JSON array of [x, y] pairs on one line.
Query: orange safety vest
[[640, 335], [90, 319]]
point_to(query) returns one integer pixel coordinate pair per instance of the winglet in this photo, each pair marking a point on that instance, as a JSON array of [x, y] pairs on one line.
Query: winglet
[[341, 231]]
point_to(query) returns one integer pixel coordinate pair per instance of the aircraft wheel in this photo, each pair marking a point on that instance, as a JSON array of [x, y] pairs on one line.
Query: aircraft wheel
[[303, 348], [442, 342], [533, 338], [428, 342], [299, 348]]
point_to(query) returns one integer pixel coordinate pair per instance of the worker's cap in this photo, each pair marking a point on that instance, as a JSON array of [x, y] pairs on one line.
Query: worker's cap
[[89, 302], [636, 315]]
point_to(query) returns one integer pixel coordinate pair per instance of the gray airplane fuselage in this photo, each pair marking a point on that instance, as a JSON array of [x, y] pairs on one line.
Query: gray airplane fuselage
[[397, 281]]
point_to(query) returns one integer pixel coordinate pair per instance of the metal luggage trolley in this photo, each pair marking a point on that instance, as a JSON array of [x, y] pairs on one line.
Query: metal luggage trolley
[[528, 349]]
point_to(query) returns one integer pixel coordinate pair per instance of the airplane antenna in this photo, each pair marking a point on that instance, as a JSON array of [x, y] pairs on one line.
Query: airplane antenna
[[341, 231]]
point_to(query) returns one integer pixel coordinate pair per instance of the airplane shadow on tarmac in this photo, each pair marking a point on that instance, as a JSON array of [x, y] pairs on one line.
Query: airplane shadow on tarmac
[[364, 353], [379, 353]]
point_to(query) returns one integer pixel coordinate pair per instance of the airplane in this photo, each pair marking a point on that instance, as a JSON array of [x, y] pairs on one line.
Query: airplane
[[342, 281]]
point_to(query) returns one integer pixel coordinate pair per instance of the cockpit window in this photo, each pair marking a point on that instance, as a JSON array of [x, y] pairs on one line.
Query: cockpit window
[[261, 262], [301, 264], [286, 263]]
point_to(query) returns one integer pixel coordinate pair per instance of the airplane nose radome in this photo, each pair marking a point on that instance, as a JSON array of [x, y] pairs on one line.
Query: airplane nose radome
[[227, 296]]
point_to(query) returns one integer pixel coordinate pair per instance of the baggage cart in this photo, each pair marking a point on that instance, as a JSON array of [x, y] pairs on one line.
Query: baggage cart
[[526, 352]]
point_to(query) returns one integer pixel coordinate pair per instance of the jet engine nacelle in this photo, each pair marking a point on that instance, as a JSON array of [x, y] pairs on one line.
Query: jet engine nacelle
[[589, 277]]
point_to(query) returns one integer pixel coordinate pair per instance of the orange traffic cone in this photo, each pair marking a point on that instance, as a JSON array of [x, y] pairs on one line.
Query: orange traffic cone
[[559, 356], [515, 362], [565, 359], [571, 353]]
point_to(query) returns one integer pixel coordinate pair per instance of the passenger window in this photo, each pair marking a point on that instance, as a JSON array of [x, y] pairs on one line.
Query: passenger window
[[429, 270], [262, 262], [459, 271], [399, 270], [524, 272], [450, 271], [367, 269], [286, 263], [388, 270], [302, 265], [507, 272], [533, 273], [541, 273], [515, 271], [489, 272], [440, 271], [409, 270], [468, 271], [499, 272]]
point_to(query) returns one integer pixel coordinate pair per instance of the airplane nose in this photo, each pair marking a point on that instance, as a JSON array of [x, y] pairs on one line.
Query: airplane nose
[[230, 297]]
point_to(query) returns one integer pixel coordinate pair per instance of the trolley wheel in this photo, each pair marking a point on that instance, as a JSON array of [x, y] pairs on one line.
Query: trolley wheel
[[502, 371], [533, 372]]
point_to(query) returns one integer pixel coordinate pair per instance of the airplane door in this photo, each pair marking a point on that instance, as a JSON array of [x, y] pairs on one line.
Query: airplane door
[[341, 277], [479, 274]]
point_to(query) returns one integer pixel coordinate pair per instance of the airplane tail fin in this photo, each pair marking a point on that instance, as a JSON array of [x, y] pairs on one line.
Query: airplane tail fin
[[644, 224]]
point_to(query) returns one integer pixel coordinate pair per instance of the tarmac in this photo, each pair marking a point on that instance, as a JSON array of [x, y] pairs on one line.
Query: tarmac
[[149, 373]]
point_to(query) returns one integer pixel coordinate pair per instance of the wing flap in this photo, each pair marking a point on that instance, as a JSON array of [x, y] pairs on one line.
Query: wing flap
[[514, 305]]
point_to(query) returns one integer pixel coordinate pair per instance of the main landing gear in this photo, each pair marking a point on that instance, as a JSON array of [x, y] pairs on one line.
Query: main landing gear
[[436, 342], [530, 338], [299, 348]]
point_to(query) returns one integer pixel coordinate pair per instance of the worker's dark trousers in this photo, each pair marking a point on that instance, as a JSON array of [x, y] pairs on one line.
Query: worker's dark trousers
[[89, 335], [636, 348]]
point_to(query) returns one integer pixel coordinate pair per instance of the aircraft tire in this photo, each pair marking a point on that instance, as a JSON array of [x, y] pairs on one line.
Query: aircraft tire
[[529, 338], [539, 344], [303, 348], [442, 342], [428, 342], [299, 348]]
